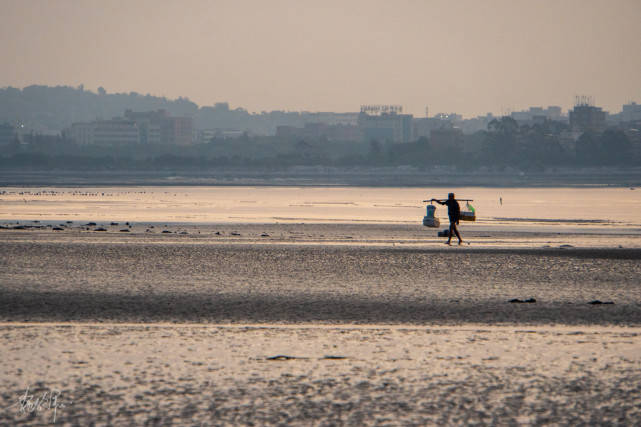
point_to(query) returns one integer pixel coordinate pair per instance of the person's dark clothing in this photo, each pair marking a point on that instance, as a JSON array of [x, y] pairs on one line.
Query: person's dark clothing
[[453, 210]]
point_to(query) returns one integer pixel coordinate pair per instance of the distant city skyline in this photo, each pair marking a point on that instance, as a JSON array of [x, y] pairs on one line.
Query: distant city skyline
[[466, 57]]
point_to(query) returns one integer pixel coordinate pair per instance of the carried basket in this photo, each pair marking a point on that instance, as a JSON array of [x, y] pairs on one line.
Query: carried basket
[[469, 214], [430, 220]]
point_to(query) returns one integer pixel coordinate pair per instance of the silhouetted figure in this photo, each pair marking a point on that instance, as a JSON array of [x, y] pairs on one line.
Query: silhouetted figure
[[454, 212]]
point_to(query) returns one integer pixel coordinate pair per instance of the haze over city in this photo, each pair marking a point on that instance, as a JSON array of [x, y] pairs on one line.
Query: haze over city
[[466, 57]]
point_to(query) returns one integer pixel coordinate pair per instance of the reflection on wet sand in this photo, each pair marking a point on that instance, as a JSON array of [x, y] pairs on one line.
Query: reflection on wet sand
[[618, 207]]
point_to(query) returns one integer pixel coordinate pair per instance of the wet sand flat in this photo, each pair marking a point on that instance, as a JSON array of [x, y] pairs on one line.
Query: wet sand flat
[[49, 276], [318, 324]]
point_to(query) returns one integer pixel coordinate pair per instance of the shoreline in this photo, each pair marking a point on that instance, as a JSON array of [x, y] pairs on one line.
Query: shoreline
[[373, 327], [328, 177]]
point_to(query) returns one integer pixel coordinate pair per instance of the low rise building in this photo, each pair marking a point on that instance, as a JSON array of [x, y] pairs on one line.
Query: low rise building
[[631, 112], [538, 115], [587, 118], [148, 128], [80, 133], [385, 123], [115, 132], [318, 131], [7, 133], [158, 127], [446, 138], [205, 136], [176, 131]]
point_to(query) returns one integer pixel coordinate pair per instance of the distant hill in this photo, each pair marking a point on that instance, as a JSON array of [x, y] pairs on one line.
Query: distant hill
[[51, 109], [48, 109]]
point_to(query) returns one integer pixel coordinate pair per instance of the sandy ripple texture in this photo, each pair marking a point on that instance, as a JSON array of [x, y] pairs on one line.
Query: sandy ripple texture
[[213, 375]]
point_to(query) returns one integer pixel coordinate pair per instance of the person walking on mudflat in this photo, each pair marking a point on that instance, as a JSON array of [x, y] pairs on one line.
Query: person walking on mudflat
[[454, 212]]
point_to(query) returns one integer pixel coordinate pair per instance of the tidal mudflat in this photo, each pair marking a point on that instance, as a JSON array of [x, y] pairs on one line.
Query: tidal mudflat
[[161, 323]]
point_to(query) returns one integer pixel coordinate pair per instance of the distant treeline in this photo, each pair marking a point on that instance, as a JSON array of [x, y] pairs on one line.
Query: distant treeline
[[503, 145]]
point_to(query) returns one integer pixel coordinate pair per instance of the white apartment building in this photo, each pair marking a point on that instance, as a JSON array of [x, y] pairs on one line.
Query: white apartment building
[[104, 132]]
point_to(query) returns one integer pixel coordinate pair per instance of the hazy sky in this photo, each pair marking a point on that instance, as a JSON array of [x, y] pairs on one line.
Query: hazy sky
[[470, 57]]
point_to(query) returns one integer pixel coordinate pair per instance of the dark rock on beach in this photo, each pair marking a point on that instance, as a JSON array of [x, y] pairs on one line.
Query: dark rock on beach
[[284, 357]]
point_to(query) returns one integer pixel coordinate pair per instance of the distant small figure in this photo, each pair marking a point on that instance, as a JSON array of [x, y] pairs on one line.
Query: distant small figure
[[501, 201], [454, 213]]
